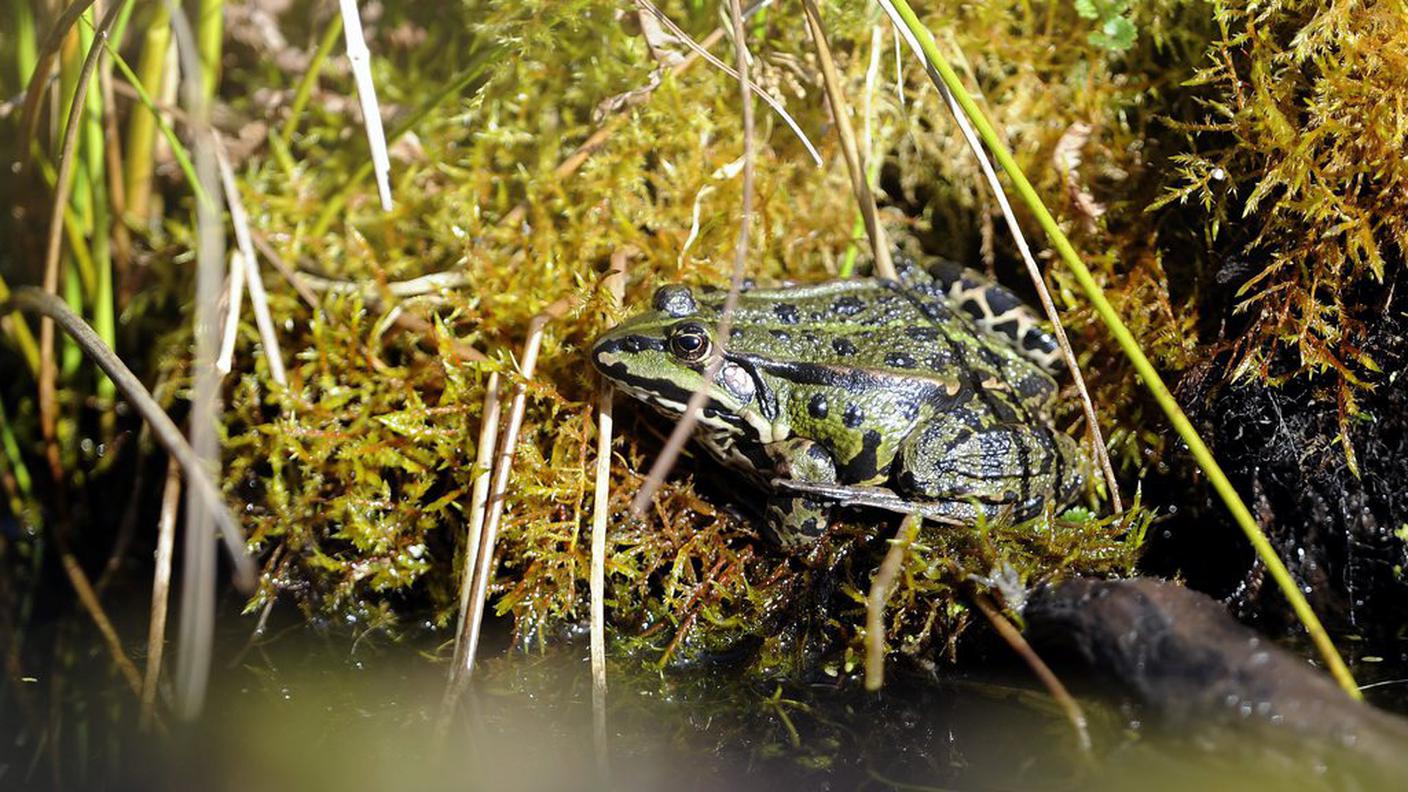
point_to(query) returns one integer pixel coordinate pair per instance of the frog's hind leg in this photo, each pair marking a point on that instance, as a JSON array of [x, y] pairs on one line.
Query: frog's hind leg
[[1010, 470], [998, 311], [796, 522]]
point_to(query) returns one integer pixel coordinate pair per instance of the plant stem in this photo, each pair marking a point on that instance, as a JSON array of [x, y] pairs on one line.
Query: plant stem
[[310, 79], [1130, 346], [142, 127]]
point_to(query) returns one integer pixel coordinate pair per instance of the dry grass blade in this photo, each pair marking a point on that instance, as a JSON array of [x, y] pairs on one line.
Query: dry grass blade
[[597, 578], [855, 158], [1102, 456], [1053, 684], [601, 496], [161, 591], [473, 614], [89, 599], [360, 58], [258, 300], [880, 588], [685, 426], [297, 281], [735, 74], [48, 408], [474, 530], [234, 300]]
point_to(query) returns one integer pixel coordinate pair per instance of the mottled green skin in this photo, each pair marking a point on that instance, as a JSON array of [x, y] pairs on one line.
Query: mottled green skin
[[858, 382]]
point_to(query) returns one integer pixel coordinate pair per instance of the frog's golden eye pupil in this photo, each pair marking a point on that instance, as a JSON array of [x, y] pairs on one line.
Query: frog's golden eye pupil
[[689, 342]]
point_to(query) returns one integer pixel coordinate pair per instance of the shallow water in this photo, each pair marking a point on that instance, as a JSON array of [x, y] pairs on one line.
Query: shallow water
[[313, 711]]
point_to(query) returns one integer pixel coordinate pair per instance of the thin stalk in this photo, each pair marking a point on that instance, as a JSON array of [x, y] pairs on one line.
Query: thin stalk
[[360, 58], [142, 126], [1053, 684], [600, 506], [196, 630], [48, 410], [685, 426], [210, 41], [310, 79], [94, 152], [161, 592], [880, 589], [855, 158], [22, 12], [20, 333], [157, 113], [1130, 347], [597, 578], [474, 529], [39, 76], [249, 261]]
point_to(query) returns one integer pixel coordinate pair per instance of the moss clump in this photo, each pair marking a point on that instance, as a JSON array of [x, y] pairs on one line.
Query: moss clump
[[1298, 164]]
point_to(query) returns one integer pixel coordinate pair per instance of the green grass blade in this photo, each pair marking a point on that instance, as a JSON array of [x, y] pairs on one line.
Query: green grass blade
[[1136, 356]]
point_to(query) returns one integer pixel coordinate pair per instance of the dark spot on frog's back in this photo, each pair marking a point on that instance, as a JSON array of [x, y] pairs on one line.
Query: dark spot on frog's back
[[843, 346], [818, 407], [853, 416], [899, 360], [922, 332], [781, 335], [786, 313], [849, 305]]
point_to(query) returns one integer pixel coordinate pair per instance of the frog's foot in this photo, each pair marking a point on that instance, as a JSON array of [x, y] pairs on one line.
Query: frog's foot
[[883, 498], [796, 523], [1007, 470]]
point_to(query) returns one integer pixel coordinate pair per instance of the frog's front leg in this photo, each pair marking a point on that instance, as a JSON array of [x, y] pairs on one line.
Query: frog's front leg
[[795, 522], [966, 469]]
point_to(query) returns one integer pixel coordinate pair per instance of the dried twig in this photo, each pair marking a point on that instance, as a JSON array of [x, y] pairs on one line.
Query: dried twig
[[735, 74], [161, 590], [880, 588], [360, 58], [685, 426], [474, 529], [503, 469], [1058, 691], [616, 284], [855, 158], [258, 300]]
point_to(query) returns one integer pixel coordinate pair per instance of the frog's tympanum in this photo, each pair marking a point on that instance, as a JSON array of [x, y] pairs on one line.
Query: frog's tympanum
[[934, 388]]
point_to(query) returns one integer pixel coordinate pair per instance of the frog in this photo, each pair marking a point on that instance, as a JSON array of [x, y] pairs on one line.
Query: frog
[[929, 393]]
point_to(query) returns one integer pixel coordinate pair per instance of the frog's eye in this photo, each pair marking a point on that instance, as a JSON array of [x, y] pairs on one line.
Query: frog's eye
[[689, 342]]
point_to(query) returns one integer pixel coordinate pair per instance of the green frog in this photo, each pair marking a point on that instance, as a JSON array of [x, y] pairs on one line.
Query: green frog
[[930, 394]]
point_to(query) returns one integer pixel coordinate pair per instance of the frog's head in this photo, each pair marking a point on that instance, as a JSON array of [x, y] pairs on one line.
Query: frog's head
[[660, 357]]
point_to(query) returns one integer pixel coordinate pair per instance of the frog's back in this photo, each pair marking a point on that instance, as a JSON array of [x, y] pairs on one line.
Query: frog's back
[[911, 329]]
